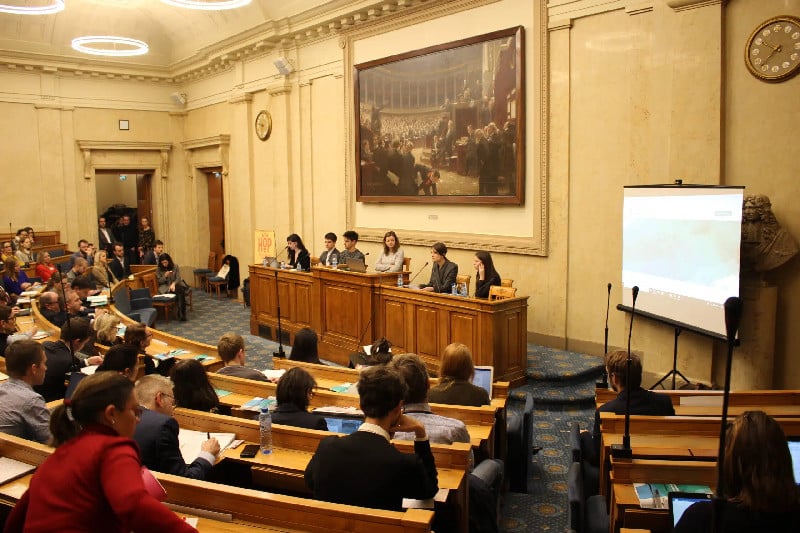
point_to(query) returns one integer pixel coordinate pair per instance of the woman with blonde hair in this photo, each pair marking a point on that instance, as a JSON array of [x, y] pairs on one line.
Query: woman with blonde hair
[[100, 272], [45, 267], [15, 281], [456, 373], [106, 327]]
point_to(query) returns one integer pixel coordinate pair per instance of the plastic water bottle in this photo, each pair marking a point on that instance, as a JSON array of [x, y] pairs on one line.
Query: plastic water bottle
[[399, 280], [454, 290], [264, 262], [335, 261], [464, 290], [265, 430]]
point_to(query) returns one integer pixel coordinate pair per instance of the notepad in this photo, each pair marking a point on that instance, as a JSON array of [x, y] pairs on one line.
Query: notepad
[[202, 357], [656, 495], [274, 374], [191, 441], [258, 403], [221, 393], [11, 469]]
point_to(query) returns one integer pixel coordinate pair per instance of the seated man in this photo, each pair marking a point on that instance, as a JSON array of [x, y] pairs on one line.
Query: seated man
[[79, 268], [52, 308], [151, 256], [384, 474], [63, 356], [350, 251], [157, 432], [23, 412], [82, 253], [327, 257], [231, 350], [643, 402], [119, 265]]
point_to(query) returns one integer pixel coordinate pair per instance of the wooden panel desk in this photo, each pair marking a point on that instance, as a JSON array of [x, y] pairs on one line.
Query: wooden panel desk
[[425, 323], [737, 398]]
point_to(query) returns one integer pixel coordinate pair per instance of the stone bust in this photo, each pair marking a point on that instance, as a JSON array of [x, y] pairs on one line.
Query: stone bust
[[765, 244]]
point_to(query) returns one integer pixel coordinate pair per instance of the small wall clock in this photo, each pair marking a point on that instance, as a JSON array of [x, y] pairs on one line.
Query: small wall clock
[[263, 125], [773, 50]]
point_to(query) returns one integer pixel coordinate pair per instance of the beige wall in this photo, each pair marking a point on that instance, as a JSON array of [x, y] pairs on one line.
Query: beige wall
[[638, 94]]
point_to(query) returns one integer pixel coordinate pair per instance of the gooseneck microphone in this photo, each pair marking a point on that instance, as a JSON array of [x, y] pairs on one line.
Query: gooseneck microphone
[[280, 353], [733, 315], [418, 273], [604, 379], [625, 449]]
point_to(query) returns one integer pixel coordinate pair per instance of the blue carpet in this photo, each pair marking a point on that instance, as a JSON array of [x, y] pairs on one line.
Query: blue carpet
[[561, 383]]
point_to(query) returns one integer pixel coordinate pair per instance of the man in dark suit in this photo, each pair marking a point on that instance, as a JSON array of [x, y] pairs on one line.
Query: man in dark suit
[[643, 402], [364, 468], [152, 255], [104, 236], [119, 266], [63, 356], [157, 432], [128, 235], [330, 252]]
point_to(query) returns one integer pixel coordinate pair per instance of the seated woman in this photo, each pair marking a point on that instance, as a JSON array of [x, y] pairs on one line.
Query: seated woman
[[455, 374], [24, 254], [305, 347], [391, 260], [15, 281], [137, 335], [123, 360], [45, 267], [100, 273], [108, 494], [295, 390], [444, 271], [298, 255], [56, 283], [105, 326], [761, 493], [485, 274], [169, 281], [192, 388]]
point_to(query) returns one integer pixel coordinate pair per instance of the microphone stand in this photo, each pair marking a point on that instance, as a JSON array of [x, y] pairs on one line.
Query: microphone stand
[[624, 450], [733, 315], [418, 273], [604, 378], [280, 353]]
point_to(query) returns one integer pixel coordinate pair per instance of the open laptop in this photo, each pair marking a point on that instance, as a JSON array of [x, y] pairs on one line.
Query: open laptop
[[356, 265], [680, 501], [343, 423], [484, 377], [794, 451]]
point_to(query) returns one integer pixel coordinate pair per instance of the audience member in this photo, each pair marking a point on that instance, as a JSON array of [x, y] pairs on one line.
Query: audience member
[[152, 255], [79, 268], [119, 265], [759, 486], [64, 356], [100, 273], [455, 386], [298, 255], [444, 271], [128, 236], [485, 274], [169, 279], [157, 433], [330, 254], [122, 359], [391, 260], [147, 237], [106, 329], [643, 402], [386, 475], [83, 252], [104, 236], [192, 388], [138, 335], [350, 251], [8, 251], [23, 412], [231, 350], [295, 390], [51, 306], [379, 353], [8, 326], [15, 281], [45, 267], [24, 254], [93, 481], [305, 347], [56, 282]]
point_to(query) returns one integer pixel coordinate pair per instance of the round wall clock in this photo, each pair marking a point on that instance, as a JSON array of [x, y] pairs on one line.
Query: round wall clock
[[773, 49], [263, 125]]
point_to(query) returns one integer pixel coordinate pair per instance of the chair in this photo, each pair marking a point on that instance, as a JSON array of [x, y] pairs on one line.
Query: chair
[[406, 264], [463, 278], [501, 293], [142, 304], [506, 282], [586, 515], [200, 274], [314, 260], [167, 304], [519, 432], [230, 282]]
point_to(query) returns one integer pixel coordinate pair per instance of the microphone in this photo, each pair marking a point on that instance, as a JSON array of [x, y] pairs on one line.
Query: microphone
[[624, 450], [418, 273], [733, 315], [604, 379], [280, 353]]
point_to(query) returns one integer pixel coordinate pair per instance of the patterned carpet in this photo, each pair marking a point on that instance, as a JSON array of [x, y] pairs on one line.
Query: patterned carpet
[[561, 383]]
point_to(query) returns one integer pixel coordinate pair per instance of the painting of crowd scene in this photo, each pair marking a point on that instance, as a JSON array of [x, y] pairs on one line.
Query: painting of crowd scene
[[443, 124]]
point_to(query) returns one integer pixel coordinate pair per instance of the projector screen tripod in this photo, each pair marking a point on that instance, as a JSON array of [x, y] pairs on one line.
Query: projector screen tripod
[[674, 372]]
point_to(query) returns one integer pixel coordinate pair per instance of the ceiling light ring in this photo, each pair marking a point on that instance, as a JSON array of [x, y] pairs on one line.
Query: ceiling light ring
[[56, 7], [83, 44], [207, 5]]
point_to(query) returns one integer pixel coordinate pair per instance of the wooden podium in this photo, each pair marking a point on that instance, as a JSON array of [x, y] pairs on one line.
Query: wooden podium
[[348, 309]]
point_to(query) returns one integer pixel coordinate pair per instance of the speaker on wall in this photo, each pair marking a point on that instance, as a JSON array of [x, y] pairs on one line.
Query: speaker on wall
[[178, 98], [283, 66]]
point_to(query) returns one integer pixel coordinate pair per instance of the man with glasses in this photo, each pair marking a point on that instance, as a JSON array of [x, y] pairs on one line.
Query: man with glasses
[[157, 432]]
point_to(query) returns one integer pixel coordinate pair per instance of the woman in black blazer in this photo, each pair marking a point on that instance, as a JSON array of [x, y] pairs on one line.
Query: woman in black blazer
[[297, 252], [295, 389]]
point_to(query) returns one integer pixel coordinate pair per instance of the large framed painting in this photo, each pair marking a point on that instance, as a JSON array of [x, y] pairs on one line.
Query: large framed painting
[[444, 124]]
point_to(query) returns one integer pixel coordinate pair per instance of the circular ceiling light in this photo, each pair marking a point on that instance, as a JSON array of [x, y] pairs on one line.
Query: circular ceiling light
[[109, 45], [208, 5], [50, 7]]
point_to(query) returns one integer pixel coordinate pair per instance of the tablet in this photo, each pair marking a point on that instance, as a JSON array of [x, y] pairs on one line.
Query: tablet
[[484, 376]]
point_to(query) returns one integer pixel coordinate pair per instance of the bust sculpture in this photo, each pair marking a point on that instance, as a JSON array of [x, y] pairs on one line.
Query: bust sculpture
[[765, 244]]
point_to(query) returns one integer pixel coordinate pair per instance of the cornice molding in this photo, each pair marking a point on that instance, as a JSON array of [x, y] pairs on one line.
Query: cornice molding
[[561, 13], [207, 142], [88, 148], [684, 5], [221, 143]]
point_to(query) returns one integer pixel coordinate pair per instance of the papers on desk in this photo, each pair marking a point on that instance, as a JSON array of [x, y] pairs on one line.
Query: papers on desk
[[441, 497], [97, 300], [190, 442], [164, 297], [336, 410], [274, 375], [22, 300], [89, 370], [656, 495], [29, 294], [368, 349], [11, 469], [40, 335], [258, 403], [169, 355]]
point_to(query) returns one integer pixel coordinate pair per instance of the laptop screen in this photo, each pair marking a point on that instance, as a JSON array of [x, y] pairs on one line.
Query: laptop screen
[[343, 425], [794, 450], [680, 501], [483, 378]]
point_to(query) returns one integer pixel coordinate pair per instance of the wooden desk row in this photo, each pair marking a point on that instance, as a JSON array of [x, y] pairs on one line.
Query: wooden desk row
[[241, 510], [349, 309], [687, 398]]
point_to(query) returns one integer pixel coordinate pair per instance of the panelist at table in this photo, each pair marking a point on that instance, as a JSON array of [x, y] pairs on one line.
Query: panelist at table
[[331, 254], [350, 251], [298, 255], [444, 271], [391, 260], [485, 274]]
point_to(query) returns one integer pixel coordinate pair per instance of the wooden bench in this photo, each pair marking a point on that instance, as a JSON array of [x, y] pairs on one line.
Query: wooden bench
[[696, 397], [41, 237], [239, 509]]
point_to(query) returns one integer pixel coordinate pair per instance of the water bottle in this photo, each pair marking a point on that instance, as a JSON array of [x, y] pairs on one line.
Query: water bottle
[[399, 280], [264, 262], [335, 261], [464, 290], [454, 290], [265, 430]]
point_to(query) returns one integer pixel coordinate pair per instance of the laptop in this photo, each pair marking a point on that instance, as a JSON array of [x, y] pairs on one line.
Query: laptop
[[484, 377], [343, 424], [794, 451], [356, 265], [680, 501]]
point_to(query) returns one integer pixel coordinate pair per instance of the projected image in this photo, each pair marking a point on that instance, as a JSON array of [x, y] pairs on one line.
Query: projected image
[[681, 247]]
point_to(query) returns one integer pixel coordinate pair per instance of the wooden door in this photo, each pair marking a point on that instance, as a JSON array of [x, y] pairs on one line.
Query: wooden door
[[144, 203], [216, 214]]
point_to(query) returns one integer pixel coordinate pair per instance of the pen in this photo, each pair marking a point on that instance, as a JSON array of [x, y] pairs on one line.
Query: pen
[[208, 434]]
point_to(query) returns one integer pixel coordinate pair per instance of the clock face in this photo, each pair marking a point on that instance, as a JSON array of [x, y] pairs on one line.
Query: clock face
[[263, 125], [773, 50]]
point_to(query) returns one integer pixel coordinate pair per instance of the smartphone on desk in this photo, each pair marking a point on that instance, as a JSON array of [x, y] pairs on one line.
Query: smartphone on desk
[[249, 451]]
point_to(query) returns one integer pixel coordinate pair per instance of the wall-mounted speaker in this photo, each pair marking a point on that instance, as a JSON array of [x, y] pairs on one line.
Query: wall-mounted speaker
[[283, 66], [178, 98]]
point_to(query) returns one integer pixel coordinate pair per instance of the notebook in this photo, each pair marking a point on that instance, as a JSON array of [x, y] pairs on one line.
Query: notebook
[[484, 376], [680, 501]]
